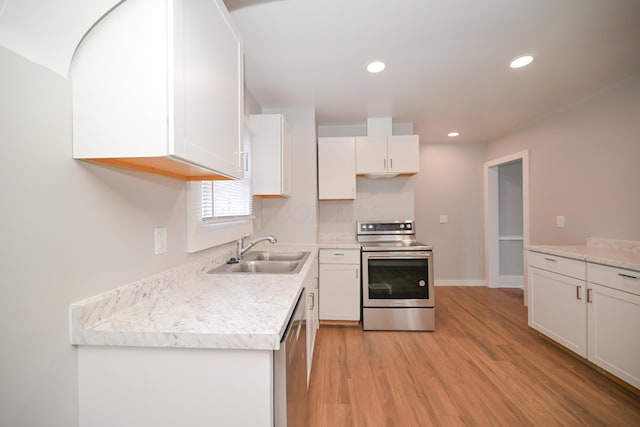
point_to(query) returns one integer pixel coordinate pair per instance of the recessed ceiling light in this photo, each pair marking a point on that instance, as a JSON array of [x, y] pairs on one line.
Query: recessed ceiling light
[[521, 61], [375, 67], [453, 134]]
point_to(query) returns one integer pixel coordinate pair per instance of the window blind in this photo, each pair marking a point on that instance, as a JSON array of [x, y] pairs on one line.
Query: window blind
[[227, 200]]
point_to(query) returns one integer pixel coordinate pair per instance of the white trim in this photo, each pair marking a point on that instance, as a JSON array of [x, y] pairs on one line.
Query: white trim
[[510, 281], [460, 283], [202, 236], [491, 217]]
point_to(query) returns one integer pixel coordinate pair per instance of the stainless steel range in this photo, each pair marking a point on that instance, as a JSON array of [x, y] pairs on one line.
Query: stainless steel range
[[397, 277]]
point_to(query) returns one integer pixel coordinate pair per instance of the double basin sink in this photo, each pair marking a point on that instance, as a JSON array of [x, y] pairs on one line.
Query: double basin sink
[[265, 262]]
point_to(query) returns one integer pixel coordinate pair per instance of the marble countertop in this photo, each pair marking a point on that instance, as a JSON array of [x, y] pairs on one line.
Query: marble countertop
[[186, 307], [601, 251]]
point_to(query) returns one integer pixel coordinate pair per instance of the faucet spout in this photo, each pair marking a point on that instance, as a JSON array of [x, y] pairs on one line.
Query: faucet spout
[[243, 249]]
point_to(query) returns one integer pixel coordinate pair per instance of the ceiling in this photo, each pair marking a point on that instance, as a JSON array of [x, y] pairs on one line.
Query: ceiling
[[447, 60]]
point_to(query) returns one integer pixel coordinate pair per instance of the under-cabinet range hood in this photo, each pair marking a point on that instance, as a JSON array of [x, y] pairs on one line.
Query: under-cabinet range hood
[[381, 175]]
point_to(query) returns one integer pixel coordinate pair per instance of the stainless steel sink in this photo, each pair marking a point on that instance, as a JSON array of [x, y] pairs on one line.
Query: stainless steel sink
[[265, 263], [275, 256]]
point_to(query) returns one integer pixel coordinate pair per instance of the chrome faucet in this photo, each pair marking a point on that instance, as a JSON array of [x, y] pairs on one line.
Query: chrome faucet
[[242, 249]]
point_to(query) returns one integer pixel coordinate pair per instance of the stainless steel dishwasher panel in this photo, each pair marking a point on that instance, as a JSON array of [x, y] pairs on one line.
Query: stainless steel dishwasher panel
[[290, 371]]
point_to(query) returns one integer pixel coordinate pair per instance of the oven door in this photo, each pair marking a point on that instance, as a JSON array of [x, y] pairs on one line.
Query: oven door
[[397, 279]]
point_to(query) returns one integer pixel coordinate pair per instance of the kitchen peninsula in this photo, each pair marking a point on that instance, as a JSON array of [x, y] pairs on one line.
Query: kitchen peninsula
[[184, 347]]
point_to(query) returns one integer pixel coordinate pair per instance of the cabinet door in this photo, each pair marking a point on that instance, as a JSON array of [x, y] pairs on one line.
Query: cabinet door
[[211, 70], [371, 154], [557, 308], [271, 148], [336, 168], [339, 292], [614, 340], [158, 87], [403, 153], [119, 77]]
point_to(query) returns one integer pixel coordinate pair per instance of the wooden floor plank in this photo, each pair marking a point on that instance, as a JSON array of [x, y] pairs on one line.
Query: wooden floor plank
[[482, 366]]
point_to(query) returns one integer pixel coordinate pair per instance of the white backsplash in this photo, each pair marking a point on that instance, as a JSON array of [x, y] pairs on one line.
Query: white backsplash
[[91, 310]]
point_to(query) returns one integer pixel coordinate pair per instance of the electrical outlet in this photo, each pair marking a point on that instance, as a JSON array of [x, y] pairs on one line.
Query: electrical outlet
[[444, 219], [560, 221], [160, 238]]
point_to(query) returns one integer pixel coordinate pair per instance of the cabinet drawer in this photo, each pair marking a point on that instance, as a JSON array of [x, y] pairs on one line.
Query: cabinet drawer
[[339, 256], [565, 266], [616, 278]]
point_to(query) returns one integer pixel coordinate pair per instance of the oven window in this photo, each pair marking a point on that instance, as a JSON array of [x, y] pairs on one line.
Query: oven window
[[398, 278]]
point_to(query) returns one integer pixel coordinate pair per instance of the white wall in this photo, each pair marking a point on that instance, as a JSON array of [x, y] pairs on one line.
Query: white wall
[[584, 166], [70, 229], [295, 219], [450, 183]]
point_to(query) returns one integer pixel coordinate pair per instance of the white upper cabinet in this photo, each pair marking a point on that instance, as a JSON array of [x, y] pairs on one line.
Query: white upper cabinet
[[271, 154], [337, 168], [158, 86], [397, 154]]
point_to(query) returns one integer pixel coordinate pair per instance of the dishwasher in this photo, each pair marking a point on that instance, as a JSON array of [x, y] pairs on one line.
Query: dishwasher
[[290, 370]]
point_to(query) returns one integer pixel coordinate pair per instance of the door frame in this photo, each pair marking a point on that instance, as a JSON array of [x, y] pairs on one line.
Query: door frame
[[491, 220]]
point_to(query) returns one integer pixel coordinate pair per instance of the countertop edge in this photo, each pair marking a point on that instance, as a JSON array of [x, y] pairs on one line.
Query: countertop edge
[[179, 340], [597, 255]]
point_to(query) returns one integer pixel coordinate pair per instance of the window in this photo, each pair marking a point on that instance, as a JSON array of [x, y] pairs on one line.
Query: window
[[226, 200]]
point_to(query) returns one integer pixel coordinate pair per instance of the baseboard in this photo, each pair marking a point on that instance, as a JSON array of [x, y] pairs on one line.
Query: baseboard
[[339, 323], [510, 281], [460, 283]]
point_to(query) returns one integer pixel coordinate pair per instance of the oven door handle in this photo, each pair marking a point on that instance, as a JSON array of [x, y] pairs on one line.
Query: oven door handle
[[397, 255]]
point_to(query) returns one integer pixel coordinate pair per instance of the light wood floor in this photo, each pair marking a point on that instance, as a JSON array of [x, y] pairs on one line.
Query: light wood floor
[[483, 366]]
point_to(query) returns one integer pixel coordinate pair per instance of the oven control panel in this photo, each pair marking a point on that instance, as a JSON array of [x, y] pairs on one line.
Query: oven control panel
[[385, 227]]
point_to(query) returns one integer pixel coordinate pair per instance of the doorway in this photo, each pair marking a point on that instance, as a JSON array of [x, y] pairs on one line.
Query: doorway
[[507, 220]]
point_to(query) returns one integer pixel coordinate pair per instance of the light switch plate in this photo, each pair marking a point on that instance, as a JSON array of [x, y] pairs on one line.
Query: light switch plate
[[444, 219], [160, 238], [560, 221]]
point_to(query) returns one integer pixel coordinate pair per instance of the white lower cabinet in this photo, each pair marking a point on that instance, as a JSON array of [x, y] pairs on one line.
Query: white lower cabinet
[[613, 321], [557, 308], [591, 309], [339, 284]]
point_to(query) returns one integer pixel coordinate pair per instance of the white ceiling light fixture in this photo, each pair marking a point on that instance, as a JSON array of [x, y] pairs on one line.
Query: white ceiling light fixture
[[375, 66], [453, 134], [521, 61]]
